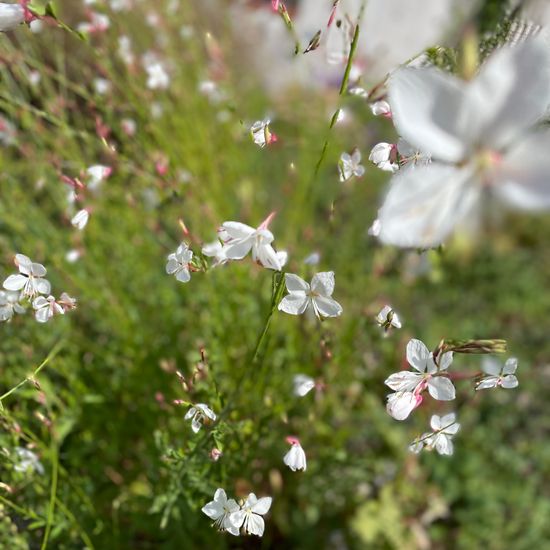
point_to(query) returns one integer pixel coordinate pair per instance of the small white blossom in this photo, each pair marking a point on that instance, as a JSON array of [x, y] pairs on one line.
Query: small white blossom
[[261, 134], [384, 156], [498, 375], [96, 174], [295, 459], [157, 77], [46, 308], [9, 304], [198, 414], [250, 516], [29, 280], [316, 296], [27, 461], [178, 263], [381, 108], [239, 239], [440, 439], [220, 510], [410, 385], [303, 384], [80, 219], [387, 318], [350, 165]]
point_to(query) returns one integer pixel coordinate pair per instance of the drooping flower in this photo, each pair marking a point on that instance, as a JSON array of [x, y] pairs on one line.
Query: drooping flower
[[410, 385], [250, 515], [440, 439], [80, 219], [350, 165], [29, 280], [387, 318], [199, 413], [384, 156], [303, 384], [480, 135], [497, 375], [220, 510], [178, 263], [261, 134], [9, 305], [295, 459], [239, 239], [316, 297]]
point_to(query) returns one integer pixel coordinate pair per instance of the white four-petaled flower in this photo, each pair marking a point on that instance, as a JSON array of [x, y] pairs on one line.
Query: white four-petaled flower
[[29, 280], [303, 384], [384, 156], [498, 375], [220, 510], [440, 439], [198, 413], [316, 297], [250, 515], [350, 165], [9, 304], [178, 263], [387, 318]]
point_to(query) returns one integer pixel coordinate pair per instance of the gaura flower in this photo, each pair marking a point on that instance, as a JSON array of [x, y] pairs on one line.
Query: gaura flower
[[239, 239], [261, 134], [220, 510], [27, 461], [215, 250], [387, 318], [384, 156], [80, 219], [295, 459], [46, 308], [350, 165], [9, 305], [498, 375], [316, 297], [157, 77], [480, 135], [30, 279], [250, 516], [410, 385], [178, 263], [440, 439], [198, 414]]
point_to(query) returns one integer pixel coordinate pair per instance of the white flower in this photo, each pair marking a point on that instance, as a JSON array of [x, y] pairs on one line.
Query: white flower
[[30, 278], [46, 308], [498, 375], [239, 239], [96, 174], [381, 107], [387, 318], [102, 86], [440, 439], [481, 139], [350, 165], [316, 296], [313, 259], [303, 384], [220, 510], [295, 459], [9, 304], [178, 263], [157, 77], [11, 15], [384, 156], [250, 516], [27, 461], [261, 134], [80, 219], [199, 413], [409, 385]]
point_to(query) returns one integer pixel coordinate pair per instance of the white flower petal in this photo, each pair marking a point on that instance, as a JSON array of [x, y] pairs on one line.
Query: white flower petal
[[509, 381], [441, 388], [255, 525], [238, 230], [15, 282], [486, 383], [401, 404], [510, 366], [323, 283], [404, 381], [262, 505], [294, 304], [417, 354], [183, 275], [327, 307], [295, 283]]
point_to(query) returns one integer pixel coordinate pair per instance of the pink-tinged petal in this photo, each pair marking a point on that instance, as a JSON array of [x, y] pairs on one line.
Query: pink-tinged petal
[[294, 304], [430, 112], [510, 381], [425, 203], [417, 354], [323, 283], [327, 307], [441, 388], [238, 230], [295, 283], [401, 404], [403, 381], [15, 282]]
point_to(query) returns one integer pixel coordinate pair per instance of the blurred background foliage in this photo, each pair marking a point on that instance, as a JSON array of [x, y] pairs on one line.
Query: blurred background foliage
[[122, 467]]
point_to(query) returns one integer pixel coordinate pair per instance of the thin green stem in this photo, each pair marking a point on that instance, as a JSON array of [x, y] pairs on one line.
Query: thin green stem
[[53, 494]]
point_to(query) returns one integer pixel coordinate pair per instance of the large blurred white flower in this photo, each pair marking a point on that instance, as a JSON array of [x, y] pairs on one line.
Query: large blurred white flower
[[480, 137], [220, 510], [11, 15], [317, 296], [250, 516]]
